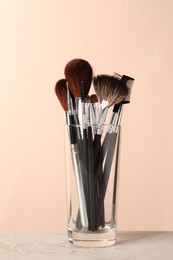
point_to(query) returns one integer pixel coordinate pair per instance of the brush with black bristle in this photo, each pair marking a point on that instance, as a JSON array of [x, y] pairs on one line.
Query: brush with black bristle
[[79, 73], [63, 95]]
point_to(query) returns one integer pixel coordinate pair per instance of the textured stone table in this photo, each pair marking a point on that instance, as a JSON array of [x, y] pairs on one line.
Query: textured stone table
[[54, 245]]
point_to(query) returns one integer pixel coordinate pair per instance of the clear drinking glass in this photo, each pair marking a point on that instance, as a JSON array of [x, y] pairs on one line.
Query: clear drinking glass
[[92, 162]]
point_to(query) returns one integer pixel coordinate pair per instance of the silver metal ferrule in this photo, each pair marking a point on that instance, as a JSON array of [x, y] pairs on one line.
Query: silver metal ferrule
[[115, 120], [87, 105], [102, 117], [69, 103], [94, 115]]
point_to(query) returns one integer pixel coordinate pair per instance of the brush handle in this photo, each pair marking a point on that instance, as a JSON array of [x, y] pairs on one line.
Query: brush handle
[[84, 164], [97, 157], [77, 171], [98, 160], [115, 183], [79, 185], [106, 174], [92, 207]]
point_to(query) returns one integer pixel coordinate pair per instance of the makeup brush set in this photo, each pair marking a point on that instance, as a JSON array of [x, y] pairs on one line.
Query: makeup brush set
[[92, 141]]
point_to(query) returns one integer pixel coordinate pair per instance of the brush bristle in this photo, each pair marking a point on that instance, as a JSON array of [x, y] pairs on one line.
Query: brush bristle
[[61, 92], [93, 98], [77, 71], [110, 89]]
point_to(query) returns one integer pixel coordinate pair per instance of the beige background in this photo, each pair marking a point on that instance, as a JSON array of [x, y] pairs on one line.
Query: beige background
[[37, 39]]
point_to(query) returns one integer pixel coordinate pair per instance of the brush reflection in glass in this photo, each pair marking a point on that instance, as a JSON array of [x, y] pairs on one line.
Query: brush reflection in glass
[[97, 234]]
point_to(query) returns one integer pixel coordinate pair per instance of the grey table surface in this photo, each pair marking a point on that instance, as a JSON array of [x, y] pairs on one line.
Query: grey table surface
[[54, 245]]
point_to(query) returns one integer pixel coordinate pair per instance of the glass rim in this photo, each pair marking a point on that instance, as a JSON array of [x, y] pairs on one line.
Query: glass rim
[[101, 125]]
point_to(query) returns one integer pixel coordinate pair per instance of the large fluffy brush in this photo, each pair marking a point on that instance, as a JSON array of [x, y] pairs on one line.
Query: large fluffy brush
[[77, 71]]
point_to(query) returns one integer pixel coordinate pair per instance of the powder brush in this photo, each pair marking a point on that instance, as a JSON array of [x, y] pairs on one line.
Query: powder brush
[[79, 73], [78, 70]]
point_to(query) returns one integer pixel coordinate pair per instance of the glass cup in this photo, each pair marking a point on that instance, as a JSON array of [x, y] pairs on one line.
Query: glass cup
[[92, 162]]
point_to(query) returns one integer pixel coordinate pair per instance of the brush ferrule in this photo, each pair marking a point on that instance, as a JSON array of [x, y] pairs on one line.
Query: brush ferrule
[[69, 102], [102, 118], [87, 106], [79, 110], [94, 115], [115, 120]]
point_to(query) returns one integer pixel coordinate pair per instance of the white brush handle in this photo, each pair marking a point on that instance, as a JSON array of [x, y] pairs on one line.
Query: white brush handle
[[80, 190]]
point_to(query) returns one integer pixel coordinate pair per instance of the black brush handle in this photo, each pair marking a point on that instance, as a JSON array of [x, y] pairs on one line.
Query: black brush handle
[[92, 191], [98, 160], [97, 157], [105, 175], [85, 170]]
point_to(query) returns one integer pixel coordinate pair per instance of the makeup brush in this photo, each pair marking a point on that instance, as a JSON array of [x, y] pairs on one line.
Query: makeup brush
[[79, 73], [110, 142], [110, 91], [78, 70], [63, 95]]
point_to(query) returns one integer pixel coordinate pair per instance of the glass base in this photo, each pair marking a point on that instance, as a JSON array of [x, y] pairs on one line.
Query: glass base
[[92, 239]]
